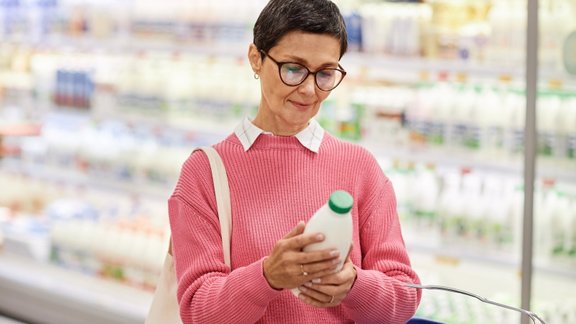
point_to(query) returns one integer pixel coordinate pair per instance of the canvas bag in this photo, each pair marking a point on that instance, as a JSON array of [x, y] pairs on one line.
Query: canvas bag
[[164, 308]]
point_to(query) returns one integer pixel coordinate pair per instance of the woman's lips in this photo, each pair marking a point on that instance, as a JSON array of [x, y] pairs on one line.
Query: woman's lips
[[301, 105]]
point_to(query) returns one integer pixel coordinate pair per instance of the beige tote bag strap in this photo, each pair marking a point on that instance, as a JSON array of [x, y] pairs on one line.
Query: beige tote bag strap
[[222, 192], [164, 308]]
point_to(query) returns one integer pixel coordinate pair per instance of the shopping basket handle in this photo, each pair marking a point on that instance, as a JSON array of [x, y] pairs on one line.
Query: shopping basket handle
[[530, 314]]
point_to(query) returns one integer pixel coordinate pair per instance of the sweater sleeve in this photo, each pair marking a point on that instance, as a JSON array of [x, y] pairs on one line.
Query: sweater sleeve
[[208, 291], [378, 295]]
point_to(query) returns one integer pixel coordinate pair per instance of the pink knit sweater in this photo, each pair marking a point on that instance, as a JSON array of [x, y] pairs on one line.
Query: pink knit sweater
[[273, 185]]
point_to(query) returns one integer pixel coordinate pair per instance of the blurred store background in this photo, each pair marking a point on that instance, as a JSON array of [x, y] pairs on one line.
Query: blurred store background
[[101, 101]]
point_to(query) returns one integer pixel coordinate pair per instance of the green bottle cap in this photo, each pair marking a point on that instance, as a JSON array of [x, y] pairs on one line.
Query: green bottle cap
[[340, 202]]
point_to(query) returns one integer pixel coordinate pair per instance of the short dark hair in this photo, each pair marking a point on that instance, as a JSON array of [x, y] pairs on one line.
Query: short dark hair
[[280, 17]]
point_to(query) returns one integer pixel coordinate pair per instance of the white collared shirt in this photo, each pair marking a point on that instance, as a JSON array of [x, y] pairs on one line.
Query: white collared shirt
[[310, 137]]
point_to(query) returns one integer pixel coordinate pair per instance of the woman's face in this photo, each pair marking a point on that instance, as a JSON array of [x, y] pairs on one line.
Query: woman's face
[[286, 110]]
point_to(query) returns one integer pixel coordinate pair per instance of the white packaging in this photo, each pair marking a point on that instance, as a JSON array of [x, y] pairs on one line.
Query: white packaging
[[333, 220]]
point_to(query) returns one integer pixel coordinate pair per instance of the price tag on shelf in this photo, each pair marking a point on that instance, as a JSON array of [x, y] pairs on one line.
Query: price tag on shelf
[[424, 76], [555, 84], [461, 77], [447, 260], [506, 78], [20, 130], [443, 76]]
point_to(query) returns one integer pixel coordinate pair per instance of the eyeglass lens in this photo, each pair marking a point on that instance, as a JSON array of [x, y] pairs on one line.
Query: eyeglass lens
[[294, 74]]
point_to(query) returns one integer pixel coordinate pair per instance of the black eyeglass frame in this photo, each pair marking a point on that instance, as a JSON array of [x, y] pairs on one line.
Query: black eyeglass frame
[[280, 64]]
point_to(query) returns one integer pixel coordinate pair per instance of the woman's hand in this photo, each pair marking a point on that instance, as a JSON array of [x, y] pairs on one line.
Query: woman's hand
[[288, 266], [329, 291]]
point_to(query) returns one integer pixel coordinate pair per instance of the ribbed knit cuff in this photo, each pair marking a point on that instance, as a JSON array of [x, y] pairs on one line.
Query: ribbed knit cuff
[[261, 292], [356, 295]]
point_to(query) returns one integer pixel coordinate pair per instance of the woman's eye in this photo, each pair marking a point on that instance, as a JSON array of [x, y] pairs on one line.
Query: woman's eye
[[294, 69], [326, 73]]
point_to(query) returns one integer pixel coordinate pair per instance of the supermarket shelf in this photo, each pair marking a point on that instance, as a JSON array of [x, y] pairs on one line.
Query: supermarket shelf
[[210, 129], [413, 69], [381, 66], [434, 271], [207, 131], [558, 270], [43, 293], [507, 166], [76, 178], [389, 66], [123, 44], [457, 253]]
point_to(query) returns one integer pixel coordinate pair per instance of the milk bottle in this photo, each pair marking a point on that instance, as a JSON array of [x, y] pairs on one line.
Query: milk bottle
[[333, 220]]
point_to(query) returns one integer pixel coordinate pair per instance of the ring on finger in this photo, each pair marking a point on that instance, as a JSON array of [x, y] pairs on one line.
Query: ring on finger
[[304, 273]]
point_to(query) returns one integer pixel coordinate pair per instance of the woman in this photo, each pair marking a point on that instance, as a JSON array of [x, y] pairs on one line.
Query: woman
[[281, 168]]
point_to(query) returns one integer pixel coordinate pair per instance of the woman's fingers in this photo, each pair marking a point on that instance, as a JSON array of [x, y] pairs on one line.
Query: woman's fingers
[[329, 290], [288, 267], [322, 264], [320, 299], [297, 240], [297, 230]]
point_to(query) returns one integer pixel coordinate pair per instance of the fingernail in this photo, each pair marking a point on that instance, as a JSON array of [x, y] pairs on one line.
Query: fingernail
[[301, 297], [302, 289], [317, 280], [320, 236], [309, 284], [335, 261], [334, 253]]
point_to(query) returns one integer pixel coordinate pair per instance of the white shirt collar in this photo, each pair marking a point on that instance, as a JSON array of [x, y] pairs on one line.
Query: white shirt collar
[[310, 137]]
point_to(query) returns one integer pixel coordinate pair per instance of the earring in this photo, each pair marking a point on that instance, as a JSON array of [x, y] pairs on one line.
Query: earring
[[256, 76]]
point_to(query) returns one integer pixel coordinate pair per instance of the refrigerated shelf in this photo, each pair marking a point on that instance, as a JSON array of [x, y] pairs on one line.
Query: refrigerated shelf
[[44, 293]]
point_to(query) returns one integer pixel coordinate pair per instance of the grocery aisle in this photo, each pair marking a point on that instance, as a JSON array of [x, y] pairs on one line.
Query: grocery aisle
[[101, 102]]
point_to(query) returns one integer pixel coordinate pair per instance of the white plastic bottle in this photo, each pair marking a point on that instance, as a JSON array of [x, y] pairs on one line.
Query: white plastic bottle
[[333, 220]]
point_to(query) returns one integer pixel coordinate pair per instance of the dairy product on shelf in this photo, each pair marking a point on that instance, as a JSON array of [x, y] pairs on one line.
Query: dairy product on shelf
[[90, 234], [379, 114], [402, 180], [548, 119], [424, 197], [487, 122], [569, 113], [491, 123], [393, 29], [554, 233], [506, 43], [96, 233], [122, 249], [479, 210], [556, 22]]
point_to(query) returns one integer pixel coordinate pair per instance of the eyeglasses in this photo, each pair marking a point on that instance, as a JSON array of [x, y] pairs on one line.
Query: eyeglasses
[[293, 74]]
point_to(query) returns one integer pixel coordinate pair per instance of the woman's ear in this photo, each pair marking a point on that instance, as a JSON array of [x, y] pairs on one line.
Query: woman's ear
[[255, 58]]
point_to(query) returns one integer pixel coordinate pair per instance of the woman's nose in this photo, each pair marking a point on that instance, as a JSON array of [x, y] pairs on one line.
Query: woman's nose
[[309, 85]]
